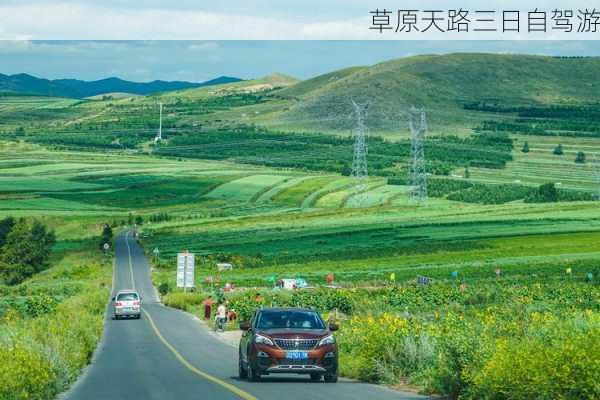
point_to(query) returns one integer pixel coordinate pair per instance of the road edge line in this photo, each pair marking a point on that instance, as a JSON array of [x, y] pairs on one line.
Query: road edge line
[[232, 388]]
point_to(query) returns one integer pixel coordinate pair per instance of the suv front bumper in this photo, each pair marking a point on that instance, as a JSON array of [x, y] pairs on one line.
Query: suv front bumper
[[322, 360]]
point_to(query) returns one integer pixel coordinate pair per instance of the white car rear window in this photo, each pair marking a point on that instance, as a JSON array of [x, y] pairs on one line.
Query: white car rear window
[[127, 296]]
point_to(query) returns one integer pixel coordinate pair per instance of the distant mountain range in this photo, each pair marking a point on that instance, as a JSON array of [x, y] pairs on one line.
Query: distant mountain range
[[74, 88]]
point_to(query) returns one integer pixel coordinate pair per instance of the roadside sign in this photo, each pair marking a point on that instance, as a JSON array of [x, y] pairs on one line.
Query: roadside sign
[[185, 270]]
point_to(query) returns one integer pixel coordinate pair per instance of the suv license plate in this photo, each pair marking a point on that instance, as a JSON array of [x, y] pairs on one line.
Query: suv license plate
[[297, 355]]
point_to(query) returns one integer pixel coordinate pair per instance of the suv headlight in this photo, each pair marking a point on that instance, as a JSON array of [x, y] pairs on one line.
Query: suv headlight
[[327, 340], [260, 339]]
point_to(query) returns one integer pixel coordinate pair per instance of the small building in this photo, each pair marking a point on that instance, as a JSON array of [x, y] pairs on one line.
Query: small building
[[224, 267]]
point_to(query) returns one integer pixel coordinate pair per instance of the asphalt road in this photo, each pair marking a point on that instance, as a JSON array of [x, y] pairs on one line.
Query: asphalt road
[[168, 354]]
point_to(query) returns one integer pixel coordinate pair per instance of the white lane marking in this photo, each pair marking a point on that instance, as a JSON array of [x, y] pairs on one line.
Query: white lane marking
[[130, 264]]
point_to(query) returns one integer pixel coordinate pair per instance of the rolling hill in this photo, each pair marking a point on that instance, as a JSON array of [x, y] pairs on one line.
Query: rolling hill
[[443, 84], [481, 109], [74, 88]]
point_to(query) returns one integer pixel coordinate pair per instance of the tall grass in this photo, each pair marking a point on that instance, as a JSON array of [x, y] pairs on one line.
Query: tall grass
[[42, 353]]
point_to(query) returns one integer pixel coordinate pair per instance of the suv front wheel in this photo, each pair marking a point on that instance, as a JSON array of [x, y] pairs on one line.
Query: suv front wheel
[[242, 372], [253, 375], [331, 378]]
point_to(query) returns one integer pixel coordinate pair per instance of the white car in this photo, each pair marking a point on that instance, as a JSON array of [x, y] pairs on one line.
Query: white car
[[127, 303]]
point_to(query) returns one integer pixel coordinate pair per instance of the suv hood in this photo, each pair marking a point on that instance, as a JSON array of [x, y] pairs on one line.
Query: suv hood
[[295, 333]]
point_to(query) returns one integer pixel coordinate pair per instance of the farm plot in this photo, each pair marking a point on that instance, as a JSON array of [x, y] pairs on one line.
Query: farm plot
[[540, 165], [338, 184], [35, 184], [339, 198], [276, 190], [246, 189], [295, 195], [148, 191], [377, 197]]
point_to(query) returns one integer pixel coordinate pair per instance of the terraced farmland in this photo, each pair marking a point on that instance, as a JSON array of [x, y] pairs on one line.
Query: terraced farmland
[[540, 165], [296, 195], [247, 189]]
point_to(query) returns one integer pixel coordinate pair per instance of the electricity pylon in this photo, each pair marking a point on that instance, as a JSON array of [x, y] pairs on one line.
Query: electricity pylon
[[417, 122], [359, 162]]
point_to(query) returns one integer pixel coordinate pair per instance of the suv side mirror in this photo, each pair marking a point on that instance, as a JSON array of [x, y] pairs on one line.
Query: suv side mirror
[[245, 325], [114, 298], [333, 327]]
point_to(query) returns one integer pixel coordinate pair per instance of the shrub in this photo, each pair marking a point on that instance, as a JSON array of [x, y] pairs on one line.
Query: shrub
[[580, 158], [558, 150], [24, 373], [546, 193], [525, 148], [164, 288], [491, 194], [40, 357], [182, 300], [555, 360]]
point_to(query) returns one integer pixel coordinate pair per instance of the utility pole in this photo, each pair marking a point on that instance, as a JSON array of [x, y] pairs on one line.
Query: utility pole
[[359, 162], [418, 174], [158, 137]]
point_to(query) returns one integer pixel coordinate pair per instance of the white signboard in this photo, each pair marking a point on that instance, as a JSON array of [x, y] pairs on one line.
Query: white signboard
[[185, 270]]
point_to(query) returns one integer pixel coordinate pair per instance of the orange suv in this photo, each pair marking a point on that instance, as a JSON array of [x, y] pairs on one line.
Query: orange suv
[[288, 340]]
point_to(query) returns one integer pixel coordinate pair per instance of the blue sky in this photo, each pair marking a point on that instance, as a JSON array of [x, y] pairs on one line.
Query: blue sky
[[202, 60]]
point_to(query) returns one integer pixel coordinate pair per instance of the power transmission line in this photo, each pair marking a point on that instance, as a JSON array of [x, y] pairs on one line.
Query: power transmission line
[[417, 122]]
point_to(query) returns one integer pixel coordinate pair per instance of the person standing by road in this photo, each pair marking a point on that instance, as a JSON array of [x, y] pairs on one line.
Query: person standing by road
[[221, 318], [208, 303]]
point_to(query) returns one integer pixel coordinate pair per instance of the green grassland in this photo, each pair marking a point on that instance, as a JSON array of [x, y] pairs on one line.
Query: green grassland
[[263, 151], [223, 210]]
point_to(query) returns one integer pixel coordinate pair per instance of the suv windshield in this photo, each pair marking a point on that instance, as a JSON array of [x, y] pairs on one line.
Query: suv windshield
[[127, 296], [289, 319]]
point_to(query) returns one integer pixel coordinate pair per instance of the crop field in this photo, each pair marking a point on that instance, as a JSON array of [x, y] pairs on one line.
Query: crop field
[[541, 166], [296, 195], [246, 189]]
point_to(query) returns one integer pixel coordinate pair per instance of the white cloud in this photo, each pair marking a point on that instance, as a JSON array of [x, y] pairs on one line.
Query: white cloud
[[128, 20]]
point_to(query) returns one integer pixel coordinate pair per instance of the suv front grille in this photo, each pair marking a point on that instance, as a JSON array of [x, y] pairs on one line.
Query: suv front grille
[[296, 344], [291, 361]]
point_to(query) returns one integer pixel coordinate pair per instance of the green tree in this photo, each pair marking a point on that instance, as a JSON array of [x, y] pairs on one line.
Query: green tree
[[547, 193], [5, 227], [558, 150], [346, 170], [107, 235], [467, 172], [139, 220], [580, 158], [25, 251], [525, 148]]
